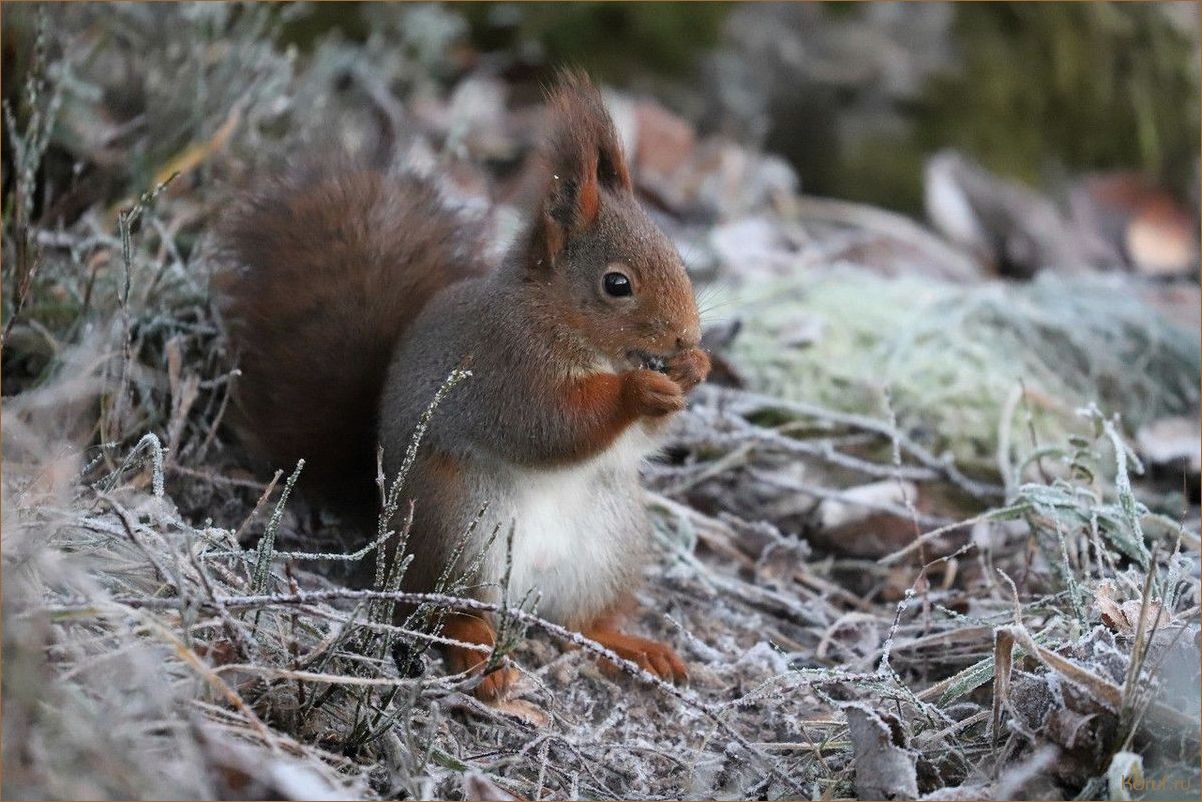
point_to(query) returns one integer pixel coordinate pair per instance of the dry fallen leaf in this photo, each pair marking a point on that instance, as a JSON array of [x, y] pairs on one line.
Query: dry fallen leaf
[[1123, 618], [1111, 612], [885, 767], [1172, 441], [477, 786]]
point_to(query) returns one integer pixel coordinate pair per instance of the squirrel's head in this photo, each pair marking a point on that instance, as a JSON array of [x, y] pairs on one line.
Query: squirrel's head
[[592, 249]]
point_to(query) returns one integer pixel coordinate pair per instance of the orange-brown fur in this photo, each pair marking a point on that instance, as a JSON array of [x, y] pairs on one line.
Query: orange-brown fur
[[328, 268], [357, 293], [648, 654], [468, 628]]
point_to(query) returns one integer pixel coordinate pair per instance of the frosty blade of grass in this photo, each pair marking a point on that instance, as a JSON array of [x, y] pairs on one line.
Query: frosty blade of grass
[[267, 542]]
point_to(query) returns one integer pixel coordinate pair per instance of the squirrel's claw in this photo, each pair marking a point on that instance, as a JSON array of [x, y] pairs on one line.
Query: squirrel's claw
[[497, 684], [653, 394], [665, 663], [658, 658], [689, 368]]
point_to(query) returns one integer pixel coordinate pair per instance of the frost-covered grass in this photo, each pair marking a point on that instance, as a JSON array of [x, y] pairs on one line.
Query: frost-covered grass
[[861, 614], [953, 354]]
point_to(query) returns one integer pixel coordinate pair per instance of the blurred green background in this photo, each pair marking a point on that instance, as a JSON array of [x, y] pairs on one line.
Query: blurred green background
[[855, 95], [1027, 88]]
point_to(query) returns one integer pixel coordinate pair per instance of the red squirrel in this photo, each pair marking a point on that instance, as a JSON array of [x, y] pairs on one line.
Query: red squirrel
[[357, 293]]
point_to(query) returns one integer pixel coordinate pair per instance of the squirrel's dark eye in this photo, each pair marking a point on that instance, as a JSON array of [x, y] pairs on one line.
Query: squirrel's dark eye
[[617, 284]]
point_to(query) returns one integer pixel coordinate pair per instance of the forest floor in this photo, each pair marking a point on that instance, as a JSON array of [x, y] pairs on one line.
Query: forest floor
[[926, 532]]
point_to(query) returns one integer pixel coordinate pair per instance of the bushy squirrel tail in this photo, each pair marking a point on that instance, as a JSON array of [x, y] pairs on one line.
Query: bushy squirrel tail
[[324, 269]]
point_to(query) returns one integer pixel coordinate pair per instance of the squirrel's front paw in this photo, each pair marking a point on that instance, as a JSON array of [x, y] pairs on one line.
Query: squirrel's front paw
[[689, 368], [653, 394]]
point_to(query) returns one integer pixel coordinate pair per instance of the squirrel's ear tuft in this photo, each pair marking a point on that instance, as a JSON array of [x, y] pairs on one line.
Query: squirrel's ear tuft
[[582, 156]]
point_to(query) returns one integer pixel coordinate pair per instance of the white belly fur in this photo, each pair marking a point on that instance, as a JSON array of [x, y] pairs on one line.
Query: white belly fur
[[576, 529]]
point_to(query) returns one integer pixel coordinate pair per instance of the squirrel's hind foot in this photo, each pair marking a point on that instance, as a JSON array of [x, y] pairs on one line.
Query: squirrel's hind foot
[[658, 658], [497, 684], [469, 629]]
